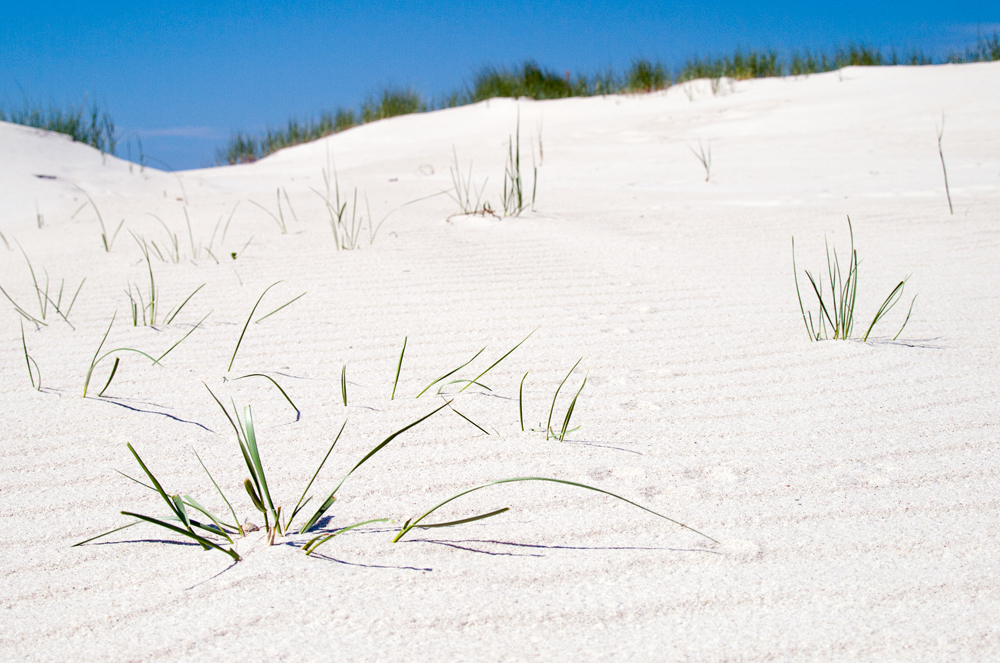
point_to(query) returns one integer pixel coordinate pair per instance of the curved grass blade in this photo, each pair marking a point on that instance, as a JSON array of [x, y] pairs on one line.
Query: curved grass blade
[[887, 305], [548, 424], [343, 383], [462, 521], [298, 413], [252, 311], [302, 503], [173, 314], [191, 331], [205, 543], [470, 420], [908, 314], [467, 383], [218, 527], [399, 367], [330, 498], [410, 525], [520, 399], [221, 494], [569, 412], [28, 360], [114, 369], [316, 542], [476, 379], [20, 311], [93, 362], [94, 538], [288, 303], [450, 373], [255, 456]]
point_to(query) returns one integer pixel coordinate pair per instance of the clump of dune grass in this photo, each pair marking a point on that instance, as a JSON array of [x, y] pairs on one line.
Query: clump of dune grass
[[836, 316], [49, 299], [646, 76], [526, 80], [513, 199], [704, 156], [92, 126], [99, 357], [392, 102], [219, 533], [145, 310]]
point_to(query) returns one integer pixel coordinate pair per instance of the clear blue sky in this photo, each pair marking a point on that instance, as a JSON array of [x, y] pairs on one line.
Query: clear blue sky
[[185, 75]]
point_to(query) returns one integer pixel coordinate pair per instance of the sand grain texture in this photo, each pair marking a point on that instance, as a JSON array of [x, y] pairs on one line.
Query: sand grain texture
[[852, 487]]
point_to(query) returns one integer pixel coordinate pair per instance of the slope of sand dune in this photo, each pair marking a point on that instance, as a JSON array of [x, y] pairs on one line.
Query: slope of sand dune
[[848, 490]]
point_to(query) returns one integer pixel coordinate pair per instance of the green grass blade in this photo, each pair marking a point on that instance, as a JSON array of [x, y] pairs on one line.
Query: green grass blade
[[316, 542], [302, 499], [343, 383], [329, 500], [219, 529], [173, 314], [249, 317], [399, 367], [94, 538], [406, 528], [205, 543], [255, 456], [114, 369], [450, 373], [520, 399], [908, 314], [493, 365], [472, 519], [184, 337], [470, 420], [93, 362], [548, 424], [156, 484], [221, 494], [288, 303], [252, 492], [887, 305], [275, 383], [569, 412]]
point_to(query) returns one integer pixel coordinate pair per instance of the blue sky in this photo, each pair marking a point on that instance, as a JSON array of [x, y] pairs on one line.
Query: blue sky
[[185, 75]]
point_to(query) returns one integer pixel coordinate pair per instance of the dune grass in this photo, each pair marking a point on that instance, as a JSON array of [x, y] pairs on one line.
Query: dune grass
[[944, 169], [836, 316], [90, 125], [47, 297]]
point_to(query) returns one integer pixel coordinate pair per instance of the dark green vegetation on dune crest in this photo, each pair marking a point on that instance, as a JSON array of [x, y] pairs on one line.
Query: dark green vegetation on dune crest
[[529, 79]]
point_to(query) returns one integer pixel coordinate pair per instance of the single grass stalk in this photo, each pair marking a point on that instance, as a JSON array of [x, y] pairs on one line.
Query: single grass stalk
[[520, 399], [469, 420], [280, 218], [411, 524], [331, 497], [288, 303], [173, 313], [569, 412], [944, 169], [221, 494], [29, 361], [314, 543], [399, 367], [493, 365], [705, 157], [107, 241], [548, 424], [249, 317], [450, 373], [302, 499], [298, 413], [343, 383]]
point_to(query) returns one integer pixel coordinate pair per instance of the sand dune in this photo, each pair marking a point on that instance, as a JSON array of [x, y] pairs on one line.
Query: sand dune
[[851, 487]]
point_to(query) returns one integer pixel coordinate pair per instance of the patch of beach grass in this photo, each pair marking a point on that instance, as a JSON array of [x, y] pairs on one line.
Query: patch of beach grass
[[836, 316]]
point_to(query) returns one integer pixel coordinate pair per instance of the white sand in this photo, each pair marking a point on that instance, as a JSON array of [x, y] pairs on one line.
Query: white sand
[[853, 487]]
